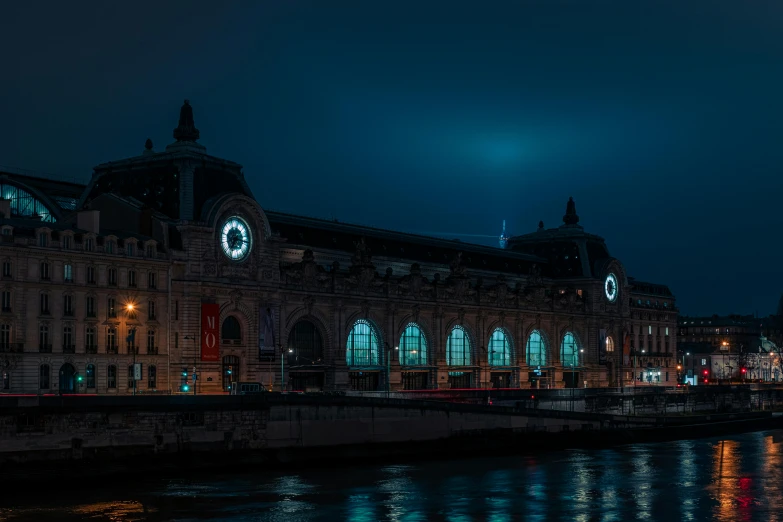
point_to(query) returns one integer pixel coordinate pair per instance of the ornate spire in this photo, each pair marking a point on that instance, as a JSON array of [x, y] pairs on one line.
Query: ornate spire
[[186, 131], [570, 217]]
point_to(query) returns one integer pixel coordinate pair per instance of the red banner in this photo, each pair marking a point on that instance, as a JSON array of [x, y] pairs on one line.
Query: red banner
[[210, 348]]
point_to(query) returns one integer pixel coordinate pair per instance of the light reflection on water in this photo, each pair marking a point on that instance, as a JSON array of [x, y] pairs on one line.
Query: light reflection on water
[[740, 479]]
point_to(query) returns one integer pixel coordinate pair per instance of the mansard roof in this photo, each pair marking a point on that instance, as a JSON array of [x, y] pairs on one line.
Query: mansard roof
[[651, 289], [326, 235]]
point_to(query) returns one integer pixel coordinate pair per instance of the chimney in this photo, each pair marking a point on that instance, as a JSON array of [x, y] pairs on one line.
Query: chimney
[[89, 220], [5, 208]]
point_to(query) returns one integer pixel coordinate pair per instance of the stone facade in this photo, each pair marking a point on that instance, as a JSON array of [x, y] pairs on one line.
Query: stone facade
[[299, 302]]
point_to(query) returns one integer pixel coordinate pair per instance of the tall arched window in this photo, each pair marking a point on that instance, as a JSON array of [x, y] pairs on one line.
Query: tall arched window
[[90, 375], [231, 332], [362, 346], [305, 345], [569, 351], [536, 349], [413, 346], [609, 344], [499, 348], [458, 347]]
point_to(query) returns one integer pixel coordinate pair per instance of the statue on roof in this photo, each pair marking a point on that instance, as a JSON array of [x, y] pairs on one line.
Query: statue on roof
[[186, 131], [570, 217]]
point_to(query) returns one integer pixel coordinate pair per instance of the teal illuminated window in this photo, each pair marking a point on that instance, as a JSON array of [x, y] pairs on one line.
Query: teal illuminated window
[[536, 349], [362, 346], [458, 347], [569, 350], [499, 348], [413, 346], [24, 204]]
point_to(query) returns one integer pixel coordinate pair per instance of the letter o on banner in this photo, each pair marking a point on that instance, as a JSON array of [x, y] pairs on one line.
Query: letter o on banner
[[210, 350]]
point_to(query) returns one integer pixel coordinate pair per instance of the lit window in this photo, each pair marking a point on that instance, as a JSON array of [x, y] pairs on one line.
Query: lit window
[[667, 330], [24, 204], [499, 348], [649, 330], [609, 344], [569, 351], [413, 346], [68, 273], [536, 349], [458, 347], [362, 345]]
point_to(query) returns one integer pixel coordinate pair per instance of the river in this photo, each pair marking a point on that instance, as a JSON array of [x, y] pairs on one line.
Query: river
[[734, 479]]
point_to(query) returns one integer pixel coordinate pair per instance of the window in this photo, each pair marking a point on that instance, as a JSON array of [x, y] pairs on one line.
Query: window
[[413, 346], [458, 347], [111, 307], [609, 344], [91, 274], [704, 362], [43, 377], [111, 340], [7, 231], [90, 305], [151, 349], [231, 332], [45, 271], [68, 304], [151, 280], [66, 242], [151, 310], [304, 344], [130, 248], [649, 329], [6, 300], [132, 278], [536, 349], [6, 374], [131, 374], [362, 345], [67, 339], [150, 250], [43, 339], [88, 244], [667, 331], [110, 247], [112, 276], [111, 377], [45, 303], [68, 273], [90, 376], [569, 351], [176, 310], [499, 348], [6, 269], [176, 340], [43, 239], [152, 377], [5, 336], [90, 340]]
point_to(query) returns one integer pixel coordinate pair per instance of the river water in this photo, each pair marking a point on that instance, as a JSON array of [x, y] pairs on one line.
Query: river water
[[734, 479]]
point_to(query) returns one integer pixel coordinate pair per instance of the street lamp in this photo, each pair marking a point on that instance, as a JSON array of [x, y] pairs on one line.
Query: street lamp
[[195, 377], [282, 367], [131, 339]]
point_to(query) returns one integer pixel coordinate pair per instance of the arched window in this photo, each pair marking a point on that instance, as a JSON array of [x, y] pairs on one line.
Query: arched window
[[362, 346], [413, 346], [24, 204], [458, 347], [305, 345], [569, 350], [536, 349], [111, 377], [499, 348], [609, 344], [231, 332]]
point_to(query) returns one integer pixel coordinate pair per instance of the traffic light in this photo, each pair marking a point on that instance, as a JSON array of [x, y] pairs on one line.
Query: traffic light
[[184, 380], [706, 373]]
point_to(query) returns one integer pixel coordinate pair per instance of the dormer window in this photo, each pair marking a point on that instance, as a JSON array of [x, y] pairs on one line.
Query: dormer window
[[150, 250], [43, 239], [130, 248], [8, 231], [109, 246], [66, 242], [89, 244]]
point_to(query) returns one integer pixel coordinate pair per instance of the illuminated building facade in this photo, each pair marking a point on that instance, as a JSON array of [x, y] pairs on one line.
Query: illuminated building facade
[[165, 265]]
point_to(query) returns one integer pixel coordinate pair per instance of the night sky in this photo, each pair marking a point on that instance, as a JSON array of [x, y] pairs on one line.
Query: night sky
[[662, 119]]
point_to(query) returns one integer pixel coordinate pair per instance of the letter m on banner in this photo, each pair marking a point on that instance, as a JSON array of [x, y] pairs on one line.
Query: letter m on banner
[[210, 348]]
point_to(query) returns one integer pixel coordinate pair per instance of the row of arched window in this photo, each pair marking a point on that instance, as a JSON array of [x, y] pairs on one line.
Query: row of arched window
[[363, 347]]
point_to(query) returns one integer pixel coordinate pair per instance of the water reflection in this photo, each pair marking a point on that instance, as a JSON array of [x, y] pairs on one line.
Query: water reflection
[[740, 478]]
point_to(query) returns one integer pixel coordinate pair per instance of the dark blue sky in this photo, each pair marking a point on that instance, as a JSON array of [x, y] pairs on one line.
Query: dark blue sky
[[662, 119]]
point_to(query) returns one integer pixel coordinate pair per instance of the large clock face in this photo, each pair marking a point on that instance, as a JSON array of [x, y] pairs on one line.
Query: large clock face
[[235, 238], [610, 288]]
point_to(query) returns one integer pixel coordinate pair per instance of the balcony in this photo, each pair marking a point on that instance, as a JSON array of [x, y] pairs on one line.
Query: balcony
[[12, 348], [93, 349], [44, 311], [7, 310], [68, 313], [133, 350], [69, 348], [44, 348], [112, 349], [152, 350], [91, 314]]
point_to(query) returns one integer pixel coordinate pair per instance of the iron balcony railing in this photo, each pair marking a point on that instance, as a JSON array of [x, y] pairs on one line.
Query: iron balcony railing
[[45, 348], [69, 348], [91, 349]]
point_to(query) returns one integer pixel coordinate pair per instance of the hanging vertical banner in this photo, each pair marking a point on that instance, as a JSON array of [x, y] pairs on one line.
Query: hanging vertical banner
[[602, 347], [210, 349], [627, 349], [266, 334]]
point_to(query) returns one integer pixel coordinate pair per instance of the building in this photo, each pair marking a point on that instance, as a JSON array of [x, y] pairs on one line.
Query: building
[[719, 348], [165, 267]]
